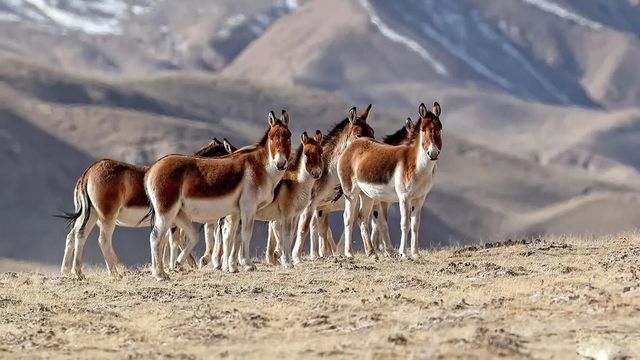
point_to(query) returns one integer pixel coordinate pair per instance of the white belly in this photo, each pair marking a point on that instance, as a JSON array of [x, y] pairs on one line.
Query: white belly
[[379, 192], [131, 216], [210, 210]]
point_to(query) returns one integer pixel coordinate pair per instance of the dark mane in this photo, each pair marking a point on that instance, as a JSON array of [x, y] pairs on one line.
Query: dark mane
[[397, 137], [332, 136], [264, 139], [211, 150], [415, 132], [295, 162]]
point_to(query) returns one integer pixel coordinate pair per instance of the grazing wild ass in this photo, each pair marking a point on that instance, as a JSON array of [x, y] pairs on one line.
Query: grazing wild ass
[[291, 197], [372, 171], [323, 192], [110, 193], [184, 189]]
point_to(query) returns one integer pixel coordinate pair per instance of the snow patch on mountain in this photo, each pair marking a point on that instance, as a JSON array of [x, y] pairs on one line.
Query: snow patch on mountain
[[396, 37], [557, 10]]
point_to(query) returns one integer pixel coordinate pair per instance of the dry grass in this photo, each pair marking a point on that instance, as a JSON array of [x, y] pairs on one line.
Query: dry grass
[[550, 298]]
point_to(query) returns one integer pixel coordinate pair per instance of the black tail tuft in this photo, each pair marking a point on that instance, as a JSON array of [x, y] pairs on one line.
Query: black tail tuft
[[151, 216], [338, 195], [70, 218]]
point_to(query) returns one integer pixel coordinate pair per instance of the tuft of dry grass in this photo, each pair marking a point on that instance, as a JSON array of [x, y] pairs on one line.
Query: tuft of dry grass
[[556, 297]]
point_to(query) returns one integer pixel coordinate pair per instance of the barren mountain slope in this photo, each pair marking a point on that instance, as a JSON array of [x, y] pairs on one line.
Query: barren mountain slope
[[479, 192]]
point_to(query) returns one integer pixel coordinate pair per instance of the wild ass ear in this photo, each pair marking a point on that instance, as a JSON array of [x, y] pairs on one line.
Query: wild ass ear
[[305, 138], [318, 136], [352, 115], [272, 118], [422, 110], [284, 117], [365, 113], [436, 109], [216, 142], [408, 124], [227, 146]]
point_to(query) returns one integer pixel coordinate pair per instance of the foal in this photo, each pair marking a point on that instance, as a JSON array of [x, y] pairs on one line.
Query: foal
[[291, 196], [371, 171], [323, 191], [183, 189], [110, 193]]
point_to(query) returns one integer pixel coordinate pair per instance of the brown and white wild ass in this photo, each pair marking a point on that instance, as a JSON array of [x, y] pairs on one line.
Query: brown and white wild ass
[[184, 189], [111, 193], [371, 171], [323, 191], [291, 196], [379, 230]]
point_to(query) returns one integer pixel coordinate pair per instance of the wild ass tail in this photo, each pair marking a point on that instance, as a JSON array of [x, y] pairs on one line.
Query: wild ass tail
[[82, 204]]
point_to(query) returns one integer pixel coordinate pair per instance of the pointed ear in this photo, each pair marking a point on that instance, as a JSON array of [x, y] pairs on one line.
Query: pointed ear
[[436, 109], [215, 141], [284, 117], [272, 118], [365, 113], [408, 124], [304, 137], [227, 146], [352, 115], [318, 136], [422, 110]]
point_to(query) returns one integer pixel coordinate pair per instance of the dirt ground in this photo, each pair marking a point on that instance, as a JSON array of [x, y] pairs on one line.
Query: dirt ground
[[551, 298]]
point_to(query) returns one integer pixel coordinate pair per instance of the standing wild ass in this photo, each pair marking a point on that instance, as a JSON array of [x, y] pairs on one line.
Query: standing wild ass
[[323, 191], [291, 196], [111, 193], [183, 189], [379, 230], [371, 171]]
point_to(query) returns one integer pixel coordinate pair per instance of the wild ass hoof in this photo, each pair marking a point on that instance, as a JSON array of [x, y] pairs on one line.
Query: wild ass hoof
[[161, 276], [415, 256], [177, 267], [80, 276], [296, 260], [216, 266], [232, 269], [115, 275], [249, 267], [348, 255], [203, 262]]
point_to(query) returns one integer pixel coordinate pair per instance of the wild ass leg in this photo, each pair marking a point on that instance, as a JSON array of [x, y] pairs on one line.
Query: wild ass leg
[[185, 224], [323, 224], [350, 207], [247, 216], [366, 205], [405, 211], [217, 255], [283, 229], [158, 232], [174, 247], [105, 240], [67, 260], [314, 238], [416, 210], [301, 234], [209, 238], [269, 257], [81, 238], [229, 257]]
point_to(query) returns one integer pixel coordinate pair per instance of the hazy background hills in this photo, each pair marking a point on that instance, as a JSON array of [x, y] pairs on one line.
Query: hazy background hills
[[541, 100]]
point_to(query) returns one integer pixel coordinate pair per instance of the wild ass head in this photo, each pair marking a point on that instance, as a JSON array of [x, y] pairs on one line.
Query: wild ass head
[[358, 124], [312, 152], [214, 148], [279, 140], [430, 129]]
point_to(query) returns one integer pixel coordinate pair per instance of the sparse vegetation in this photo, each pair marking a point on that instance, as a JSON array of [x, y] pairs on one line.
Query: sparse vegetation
[[521, 299]]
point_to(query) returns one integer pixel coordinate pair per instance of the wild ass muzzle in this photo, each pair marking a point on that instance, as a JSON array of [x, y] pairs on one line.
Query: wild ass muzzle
[[371, 171], [323, 192], [111, 193], [184, 189]]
